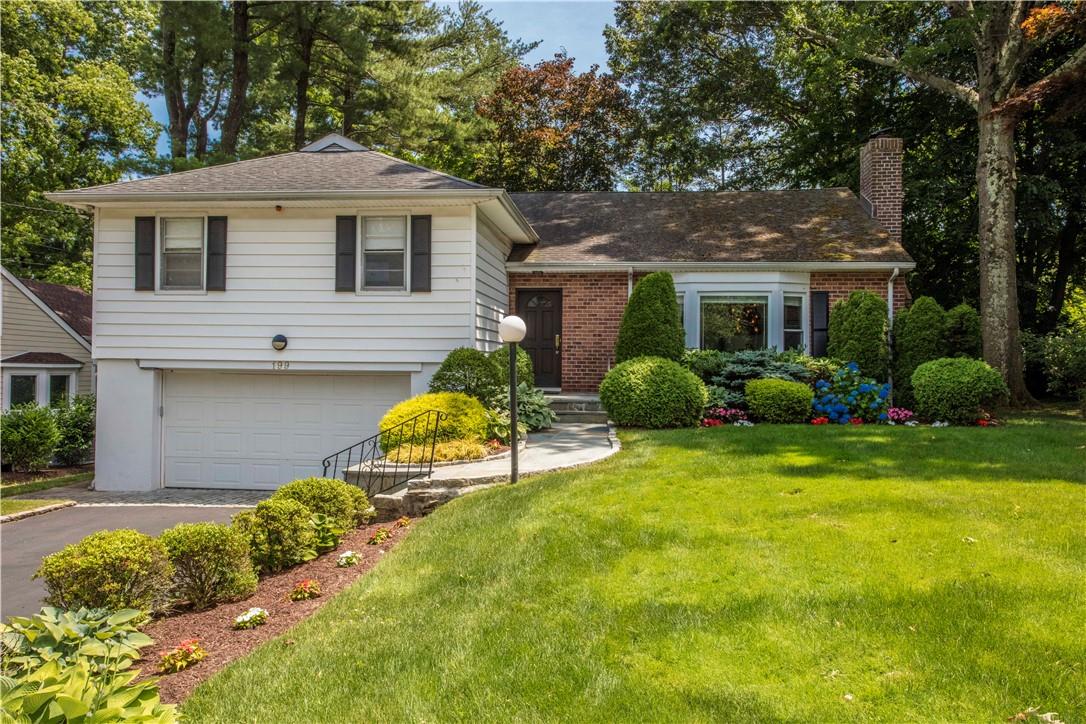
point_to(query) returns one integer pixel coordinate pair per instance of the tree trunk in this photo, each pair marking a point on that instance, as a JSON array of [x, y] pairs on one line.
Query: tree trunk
[[996, 183], [306, 34], [1065, 262], [171, 86], [239, 81]]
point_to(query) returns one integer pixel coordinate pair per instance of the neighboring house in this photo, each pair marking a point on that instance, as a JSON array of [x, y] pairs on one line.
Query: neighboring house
[[373, 268], [45, 349]]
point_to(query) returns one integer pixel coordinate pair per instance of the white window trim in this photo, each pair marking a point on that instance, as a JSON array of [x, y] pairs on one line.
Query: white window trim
[[41, 384], [360, 253], [804, 314], [159, 268]]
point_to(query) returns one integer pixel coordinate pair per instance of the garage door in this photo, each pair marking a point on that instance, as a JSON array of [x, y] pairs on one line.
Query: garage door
[[258, 431]]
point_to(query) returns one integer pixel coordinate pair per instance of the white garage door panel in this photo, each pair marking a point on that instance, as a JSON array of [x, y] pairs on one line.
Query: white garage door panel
[[225, 430]]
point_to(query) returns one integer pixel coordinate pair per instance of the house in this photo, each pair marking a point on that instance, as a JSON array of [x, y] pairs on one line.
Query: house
[[255, 317], [45, 333]]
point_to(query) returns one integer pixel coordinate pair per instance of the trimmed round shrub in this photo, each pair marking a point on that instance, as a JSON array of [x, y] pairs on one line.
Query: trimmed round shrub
[[779, 401], [364, 511], [525, 372], [325, 496], [858, 333], [29, 435], [963, 332], [469, 371], [211, 563], [653, 392], [956, 389], [650, 325], [75, 424], [280, 534], [465, 419], [919, 337], [111, 569]]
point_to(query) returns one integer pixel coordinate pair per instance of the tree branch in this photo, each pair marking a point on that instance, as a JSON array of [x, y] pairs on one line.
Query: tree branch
[[1071, 71], [944, 85]]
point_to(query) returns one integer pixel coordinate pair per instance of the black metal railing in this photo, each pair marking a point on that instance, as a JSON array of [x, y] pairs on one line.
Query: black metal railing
[[390, 458]]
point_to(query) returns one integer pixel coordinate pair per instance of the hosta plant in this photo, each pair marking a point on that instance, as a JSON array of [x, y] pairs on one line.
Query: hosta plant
[[103, 639], [251, 619], [347, 559], [183, 656], [327, 533], [57, 693], [304, 590], [379, 536]]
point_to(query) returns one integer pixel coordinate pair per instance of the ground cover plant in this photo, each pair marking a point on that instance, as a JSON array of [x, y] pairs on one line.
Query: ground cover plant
[[718, 574]]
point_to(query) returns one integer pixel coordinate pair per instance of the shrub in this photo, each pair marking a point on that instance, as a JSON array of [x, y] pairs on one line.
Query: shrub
[[251, 619], [963, 332], [468, 371], [102, 638], [1033, 358], [753, 365], [211, 563], [30, 436], [364, 511], [443, 452], [181, 657], [858, 333], [323, 496], [44, 694], [650, 325], [280, 533], [956, 389], [919, 337], [818, 368], [1065, 362], [779, 401], [109, 569], [533, 407], [653, 392], [500, 359], [499, 426], [75, 425], [465, 419], [705, 363], [851, 397]]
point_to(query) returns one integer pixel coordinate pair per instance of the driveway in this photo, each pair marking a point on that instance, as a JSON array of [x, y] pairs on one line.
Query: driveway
[[24, 542]]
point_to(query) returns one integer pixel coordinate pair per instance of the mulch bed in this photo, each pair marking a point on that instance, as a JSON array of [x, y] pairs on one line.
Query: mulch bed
[[11, 477], [214, 629]]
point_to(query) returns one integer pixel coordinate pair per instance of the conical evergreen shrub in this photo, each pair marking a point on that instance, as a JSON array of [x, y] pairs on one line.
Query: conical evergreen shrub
[[650, 324]]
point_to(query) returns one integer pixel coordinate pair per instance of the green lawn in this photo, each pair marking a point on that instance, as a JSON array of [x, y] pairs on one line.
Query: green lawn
[[9, 506], [728, 574], [45, 483]]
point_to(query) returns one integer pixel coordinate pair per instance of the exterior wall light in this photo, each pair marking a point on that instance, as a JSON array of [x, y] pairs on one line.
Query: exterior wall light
[[511, 330], [279, 342]]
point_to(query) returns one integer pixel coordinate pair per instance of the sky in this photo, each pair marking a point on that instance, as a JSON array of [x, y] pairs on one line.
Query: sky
[[574, 25]]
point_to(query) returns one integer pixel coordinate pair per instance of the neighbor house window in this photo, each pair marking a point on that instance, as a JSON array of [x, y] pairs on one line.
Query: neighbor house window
[[24, 389], [58, 389], [680, 298], [793, 322], [182, 253], [734, 323], [384, 250]]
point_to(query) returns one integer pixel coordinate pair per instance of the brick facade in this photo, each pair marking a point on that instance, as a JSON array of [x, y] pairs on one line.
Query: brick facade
[[593, 303], [880, 182]]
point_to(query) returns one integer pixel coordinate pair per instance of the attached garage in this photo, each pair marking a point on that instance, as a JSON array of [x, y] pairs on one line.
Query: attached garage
[[258, 431]]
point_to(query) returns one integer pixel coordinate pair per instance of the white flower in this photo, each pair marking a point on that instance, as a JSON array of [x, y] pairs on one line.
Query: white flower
[[940, 423], [911, 423], [743, 423]]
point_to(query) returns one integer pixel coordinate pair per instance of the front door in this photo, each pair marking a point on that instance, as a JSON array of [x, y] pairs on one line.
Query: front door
[[541, 310]]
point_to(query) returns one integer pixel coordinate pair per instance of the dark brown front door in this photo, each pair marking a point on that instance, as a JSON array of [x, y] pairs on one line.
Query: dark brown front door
[[541, 310]]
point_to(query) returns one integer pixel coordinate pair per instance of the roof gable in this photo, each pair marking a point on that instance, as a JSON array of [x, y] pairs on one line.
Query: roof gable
[[70, 307]]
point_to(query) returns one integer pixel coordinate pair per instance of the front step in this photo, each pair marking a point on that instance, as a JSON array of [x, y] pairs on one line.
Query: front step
[[578, 408]]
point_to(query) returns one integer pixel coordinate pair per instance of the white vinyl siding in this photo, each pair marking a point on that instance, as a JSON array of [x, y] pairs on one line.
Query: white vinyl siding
[[281, 280], [491, 286]]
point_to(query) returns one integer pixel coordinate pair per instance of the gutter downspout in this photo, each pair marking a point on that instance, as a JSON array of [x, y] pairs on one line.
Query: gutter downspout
[[629, 282], [890, 292], [890, 326]]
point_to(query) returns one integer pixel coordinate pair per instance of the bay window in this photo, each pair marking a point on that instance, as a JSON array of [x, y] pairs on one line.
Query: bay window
[[793, 322], [734, 323]]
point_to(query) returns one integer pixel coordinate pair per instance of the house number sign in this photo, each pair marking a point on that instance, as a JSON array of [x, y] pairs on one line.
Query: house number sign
[[280, 365]]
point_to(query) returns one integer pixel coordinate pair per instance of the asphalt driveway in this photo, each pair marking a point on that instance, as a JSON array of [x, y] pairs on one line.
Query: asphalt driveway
[[24, 542]]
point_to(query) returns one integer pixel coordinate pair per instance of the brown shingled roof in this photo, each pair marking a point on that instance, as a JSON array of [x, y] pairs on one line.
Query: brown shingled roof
[[71, 304], [364, 170], [821, 225], [41, 358]]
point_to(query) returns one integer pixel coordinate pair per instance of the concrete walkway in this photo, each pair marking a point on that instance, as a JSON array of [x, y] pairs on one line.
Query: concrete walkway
[[566, 445]]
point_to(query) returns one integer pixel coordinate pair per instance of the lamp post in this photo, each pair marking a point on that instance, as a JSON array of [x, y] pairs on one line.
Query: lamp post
[[512, 330]]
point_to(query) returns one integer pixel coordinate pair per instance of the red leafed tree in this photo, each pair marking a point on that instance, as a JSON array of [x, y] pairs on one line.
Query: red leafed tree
[[552, 129]]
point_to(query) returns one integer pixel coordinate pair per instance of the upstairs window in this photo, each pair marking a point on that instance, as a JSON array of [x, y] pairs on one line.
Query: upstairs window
[[182, 257], [384, 252]]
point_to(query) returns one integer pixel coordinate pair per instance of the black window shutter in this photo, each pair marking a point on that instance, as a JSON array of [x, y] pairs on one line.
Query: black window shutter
[[145, 253], [216, 253], [420, 253], [345, 253], [820, 322]]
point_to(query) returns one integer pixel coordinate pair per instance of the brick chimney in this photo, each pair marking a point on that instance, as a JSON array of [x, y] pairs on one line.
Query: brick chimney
[[880, 180]]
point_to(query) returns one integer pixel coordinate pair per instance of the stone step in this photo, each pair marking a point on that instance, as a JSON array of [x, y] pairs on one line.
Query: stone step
[[594, 417], [391, 502], [574, 403], [418, 502]]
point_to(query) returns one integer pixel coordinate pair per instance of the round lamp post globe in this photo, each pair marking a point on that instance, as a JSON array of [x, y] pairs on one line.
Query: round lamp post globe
[[512, 329]]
